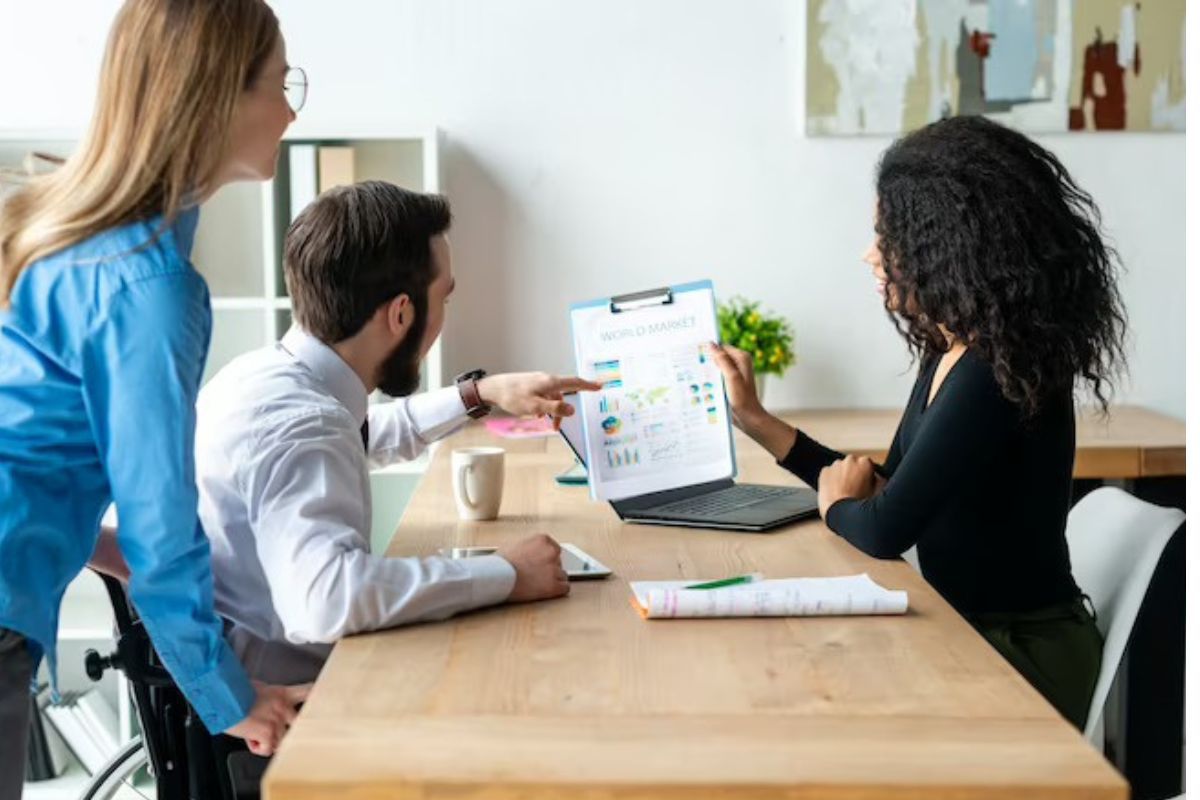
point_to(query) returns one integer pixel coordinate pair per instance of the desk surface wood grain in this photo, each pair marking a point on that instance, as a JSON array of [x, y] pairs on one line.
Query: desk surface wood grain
[[581, 697], [1131, 442]]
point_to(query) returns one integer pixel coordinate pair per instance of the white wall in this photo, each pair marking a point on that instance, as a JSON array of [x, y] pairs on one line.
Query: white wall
[[610, 146]]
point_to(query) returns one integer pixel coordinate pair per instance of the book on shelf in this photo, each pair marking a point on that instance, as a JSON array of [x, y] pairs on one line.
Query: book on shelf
[[100, 719], [302, 176], [313, 169], [335, 166], [88, 726]]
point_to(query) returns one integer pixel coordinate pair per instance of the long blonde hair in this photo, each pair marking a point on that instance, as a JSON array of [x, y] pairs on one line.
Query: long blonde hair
[[172, 74]]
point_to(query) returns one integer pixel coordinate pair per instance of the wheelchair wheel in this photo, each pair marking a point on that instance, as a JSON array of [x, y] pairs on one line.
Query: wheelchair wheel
[[118, 774]]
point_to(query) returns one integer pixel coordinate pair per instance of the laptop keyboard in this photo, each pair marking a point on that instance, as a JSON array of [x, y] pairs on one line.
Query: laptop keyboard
[[721, 502]]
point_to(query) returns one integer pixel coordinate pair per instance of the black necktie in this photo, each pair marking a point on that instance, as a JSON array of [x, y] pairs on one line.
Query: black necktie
[[366, 436]]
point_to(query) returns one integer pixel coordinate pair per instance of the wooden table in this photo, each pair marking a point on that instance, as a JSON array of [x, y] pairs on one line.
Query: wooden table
[[580, 697], [1133, 442]]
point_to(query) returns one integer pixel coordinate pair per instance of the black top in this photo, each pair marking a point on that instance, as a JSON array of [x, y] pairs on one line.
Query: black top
[[981, 492]]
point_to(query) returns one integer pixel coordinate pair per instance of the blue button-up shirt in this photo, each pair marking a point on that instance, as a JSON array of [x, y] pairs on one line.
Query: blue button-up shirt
[[101, 353]]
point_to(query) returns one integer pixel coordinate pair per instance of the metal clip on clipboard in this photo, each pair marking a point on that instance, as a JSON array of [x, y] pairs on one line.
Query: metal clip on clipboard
[[636, 300]]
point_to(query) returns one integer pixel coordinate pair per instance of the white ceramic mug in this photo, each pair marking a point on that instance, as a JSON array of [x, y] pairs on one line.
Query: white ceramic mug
[[478, 474]]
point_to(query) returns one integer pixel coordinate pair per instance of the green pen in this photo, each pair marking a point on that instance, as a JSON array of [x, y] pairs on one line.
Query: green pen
[[751, 578]]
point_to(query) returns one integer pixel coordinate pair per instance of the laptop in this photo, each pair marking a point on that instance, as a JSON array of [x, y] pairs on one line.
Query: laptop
[[722, 504]]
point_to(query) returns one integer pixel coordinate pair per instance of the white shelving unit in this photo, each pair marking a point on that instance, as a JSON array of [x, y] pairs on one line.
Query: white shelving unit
[[68, 786], [238, 248], [241, 228]]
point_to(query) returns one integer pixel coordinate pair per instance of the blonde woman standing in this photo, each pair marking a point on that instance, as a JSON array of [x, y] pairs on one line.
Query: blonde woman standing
[[104, 329]]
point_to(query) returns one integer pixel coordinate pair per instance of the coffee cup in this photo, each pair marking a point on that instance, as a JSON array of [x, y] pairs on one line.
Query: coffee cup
[[478, 477]]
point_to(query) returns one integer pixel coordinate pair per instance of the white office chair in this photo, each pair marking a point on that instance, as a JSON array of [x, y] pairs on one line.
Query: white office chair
[[1115, 542]]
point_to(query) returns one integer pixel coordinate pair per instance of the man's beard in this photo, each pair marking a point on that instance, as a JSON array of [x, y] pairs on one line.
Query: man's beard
[[400, 375]]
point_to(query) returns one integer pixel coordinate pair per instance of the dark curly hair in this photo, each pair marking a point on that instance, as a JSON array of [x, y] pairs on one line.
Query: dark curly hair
[[982, 231]]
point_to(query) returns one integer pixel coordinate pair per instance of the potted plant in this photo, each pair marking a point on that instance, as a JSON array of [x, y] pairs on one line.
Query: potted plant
[[768, 338]]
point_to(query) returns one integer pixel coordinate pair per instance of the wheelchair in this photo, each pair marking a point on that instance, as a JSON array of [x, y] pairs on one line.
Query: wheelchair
[[185, 760]]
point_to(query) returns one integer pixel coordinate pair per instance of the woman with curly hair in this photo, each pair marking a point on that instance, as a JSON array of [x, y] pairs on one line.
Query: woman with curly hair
[[991, 265]]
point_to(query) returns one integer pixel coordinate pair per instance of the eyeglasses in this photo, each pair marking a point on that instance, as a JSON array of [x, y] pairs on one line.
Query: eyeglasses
[[295, 88]]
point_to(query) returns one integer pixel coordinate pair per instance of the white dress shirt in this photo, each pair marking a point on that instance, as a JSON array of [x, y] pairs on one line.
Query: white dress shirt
[[285, 500]]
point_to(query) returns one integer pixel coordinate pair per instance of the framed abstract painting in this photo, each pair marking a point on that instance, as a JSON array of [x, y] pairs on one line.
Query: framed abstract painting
[[887, 66]]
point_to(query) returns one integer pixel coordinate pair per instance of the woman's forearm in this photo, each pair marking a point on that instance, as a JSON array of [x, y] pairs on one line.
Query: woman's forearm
[[772, 433]]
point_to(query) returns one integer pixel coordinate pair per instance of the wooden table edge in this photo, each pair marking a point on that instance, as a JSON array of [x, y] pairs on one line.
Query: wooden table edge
[[1063, 766]]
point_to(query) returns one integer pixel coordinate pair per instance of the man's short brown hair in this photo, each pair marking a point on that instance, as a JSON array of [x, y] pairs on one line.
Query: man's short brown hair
[[357, 247]]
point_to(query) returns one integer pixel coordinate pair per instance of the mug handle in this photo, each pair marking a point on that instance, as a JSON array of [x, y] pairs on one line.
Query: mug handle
[[463, 471]]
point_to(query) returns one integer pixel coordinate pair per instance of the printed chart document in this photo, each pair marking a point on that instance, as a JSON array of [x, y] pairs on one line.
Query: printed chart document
[[780, 597], [661, 420]]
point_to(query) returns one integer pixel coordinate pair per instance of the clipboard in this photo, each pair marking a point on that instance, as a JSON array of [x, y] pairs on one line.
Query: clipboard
[[662, 419]]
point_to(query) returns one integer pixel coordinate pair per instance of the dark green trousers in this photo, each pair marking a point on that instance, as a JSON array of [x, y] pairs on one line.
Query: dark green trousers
[[1056, 648]]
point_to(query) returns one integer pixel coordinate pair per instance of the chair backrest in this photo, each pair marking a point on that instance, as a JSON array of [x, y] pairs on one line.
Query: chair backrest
[[1115, 541]]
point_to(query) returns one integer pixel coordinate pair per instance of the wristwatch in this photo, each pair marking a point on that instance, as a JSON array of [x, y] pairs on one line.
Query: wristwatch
[[468, 390]]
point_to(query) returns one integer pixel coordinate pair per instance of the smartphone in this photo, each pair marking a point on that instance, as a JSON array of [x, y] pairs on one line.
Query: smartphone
[[578, 565]]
